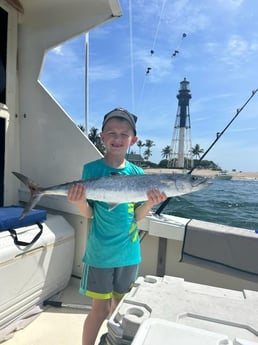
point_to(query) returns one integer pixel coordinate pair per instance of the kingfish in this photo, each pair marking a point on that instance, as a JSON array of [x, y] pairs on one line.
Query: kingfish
[[117, 189]]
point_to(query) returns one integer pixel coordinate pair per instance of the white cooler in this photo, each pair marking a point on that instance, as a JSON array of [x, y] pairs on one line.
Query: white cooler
[[157, 331], [31, 274], [181, 312]]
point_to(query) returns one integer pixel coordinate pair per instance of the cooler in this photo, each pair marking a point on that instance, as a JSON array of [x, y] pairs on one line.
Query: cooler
[[31, 274], [157, 331], [193, 311]]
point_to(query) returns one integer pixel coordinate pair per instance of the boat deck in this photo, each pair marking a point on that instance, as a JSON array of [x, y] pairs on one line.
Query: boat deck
[[59, 326], [203, 308]]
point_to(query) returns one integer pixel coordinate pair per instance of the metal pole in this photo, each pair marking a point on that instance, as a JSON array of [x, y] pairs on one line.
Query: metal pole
[[86, 82]]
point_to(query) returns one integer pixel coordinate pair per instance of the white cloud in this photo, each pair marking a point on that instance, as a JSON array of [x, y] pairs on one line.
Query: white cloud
[[58, 50], [102, 72], [231, 4], [244, 129], [237, 46], [160, 65]]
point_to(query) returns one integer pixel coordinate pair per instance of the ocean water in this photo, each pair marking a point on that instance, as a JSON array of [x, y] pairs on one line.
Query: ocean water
[[233, 202]]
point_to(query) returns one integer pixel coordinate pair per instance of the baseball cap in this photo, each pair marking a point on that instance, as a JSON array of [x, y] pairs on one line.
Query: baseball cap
[[122, 114]]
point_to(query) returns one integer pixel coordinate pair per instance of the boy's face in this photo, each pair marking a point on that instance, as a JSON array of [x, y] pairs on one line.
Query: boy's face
[[117, 136]]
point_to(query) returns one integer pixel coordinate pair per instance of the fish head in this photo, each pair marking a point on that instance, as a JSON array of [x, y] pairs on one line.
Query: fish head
[[191, 183], [199, 182]]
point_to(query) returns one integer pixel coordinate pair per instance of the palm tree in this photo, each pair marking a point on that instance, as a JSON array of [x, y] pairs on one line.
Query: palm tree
[[147, 153], [93, 135], [196, 151], [149, 143], [140, 144], [166, 152], [95, 139], [82, 128]]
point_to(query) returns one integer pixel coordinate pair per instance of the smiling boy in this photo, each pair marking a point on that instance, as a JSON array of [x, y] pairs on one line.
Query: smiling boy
[[112, 254]]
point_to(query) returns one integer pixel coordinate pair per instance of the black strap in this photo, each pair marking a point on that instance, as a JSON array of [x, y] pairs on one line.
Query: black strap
[[22, 243]]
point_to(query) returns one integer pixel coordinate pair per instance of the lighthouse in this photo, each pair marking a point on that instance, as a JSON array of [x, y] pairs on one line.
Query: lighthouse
[[181, 145]]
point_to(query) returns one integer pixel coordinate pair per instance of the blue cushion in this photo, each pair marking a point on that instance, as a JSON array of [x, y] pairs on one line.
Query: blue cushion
[[9, 217]]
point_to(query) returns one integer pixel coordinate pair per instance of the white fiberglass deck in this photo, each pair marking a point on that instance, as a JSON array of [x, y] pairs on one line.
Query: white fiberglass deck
[[59, 326], [63, 326]]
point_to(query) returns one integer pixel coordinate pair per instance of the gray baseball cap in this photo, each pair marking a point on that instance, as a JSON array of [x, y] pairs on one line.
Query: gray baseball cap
[[122, 114]]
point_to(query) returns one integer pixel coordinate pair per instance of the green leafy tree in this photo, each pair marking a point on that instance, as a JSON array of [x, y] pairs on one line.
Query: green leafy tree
[[163, 163], [205, 164]]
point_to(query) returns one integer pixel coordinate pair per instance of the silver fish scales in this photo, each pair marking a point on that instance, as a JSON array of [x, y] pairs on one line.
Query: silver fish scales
[[117, 189]]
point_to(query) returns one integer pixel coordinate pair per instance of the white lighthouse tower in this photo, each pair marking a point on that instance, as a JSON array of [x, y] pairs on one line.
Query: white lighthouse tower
[[181, 145]]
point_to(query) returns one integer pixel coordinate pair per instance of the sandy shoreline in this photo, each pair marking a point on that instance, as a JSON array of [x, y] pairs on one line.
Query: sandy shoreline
[[243, 175]]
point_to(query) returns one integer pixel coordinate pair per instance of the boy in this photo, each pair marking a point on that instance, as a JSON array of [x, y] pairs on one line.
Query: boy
[[113, 254]]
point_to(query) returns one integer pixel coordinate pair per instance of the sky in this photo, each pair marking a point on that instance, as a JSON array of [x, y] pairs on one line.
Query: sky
[[217, 44]]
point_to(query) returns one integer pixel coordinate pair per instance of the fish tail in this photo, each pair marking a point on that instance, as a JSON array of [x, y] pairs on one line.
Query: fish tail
[[35, 193]]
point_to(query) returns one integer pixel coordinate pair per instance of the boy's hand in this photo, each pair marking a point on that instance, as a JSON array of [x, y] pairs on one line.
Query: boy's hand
[[77, 194], [155, 197]]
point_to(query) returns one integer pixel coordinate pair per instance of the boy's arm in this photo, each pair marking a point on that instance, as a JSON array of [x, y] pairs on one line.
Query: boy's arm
[[154, 197], [77, 196]]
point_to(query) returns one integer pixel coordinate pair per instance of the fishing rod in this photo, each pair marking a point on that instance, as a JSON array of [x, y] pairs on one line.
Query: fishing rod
[[219, 135]]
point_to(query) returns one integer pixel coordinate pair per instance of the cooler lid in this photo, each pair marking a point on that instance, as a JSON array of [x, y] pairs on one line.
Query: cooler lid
[[157, 331]]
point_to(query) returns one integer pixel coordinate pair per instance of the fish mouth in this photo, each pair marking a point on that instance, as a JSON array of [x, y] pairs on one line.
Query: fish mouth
[[200, 180]]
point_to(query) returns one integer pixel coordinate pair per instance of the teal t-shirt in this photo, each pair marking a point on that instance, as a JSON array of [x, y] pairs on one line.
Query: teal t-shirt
[[113, 238]]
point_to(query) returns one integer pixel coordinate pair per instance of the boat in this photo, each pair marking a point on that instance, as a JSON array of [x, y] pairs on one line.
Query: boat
[[223, 176], [198, 281]]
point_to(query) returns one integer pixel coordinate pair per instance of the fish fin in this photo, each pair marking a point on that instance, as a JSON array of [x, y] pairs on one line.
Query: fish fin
[[112, 206], [29, 206], [35, 193], [25, 180]]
